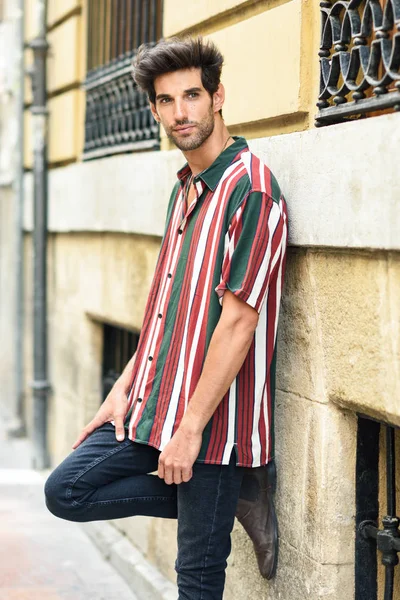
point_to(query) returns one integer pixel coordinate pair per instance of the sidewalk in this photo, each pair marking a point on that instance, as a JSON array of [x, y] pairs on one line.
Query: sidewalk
[[42, 557]]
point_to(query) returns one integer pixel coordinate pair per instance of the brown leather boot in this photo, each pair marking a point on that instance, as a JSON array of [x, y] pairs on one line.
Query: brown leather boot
[[256, 512]]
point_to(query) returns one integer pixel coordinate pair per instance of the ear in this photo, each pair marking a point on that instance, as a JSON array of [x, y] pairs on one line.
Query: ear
[[219, 98], [154, 112]]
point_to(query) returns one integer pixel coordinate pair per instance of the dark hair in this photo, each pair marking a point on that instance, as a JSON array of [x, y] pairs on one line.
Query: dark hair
[[175, 54]]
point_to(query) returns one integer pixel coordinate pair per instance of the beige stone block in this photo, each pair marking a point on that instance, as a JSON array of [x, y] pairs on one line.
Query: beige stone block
[[300, 367], [62, 63], [139, 530], [269, 51], [298, 576], [63, 126], [163, 547], [57, 9], [356, 296], [316, 453], [30, 19]]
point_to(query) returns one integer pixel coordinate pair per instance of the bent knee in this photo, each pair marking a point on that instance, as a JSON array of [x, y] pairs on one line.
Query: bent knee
[[58, 498]]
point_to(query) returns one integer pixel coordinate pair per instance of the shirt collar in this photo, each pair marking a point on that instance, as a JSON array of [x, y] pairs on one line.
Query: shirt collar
[[214, 172]]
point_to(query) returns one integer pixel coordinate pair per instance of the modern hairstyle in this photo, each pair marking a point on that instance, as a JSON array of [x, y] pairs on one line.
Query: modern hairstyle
[[175, 54]]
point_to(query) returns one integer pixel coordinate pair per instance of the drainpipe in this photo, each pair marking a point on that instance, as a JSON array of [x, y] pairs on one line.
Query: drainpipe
[[19, 428], [40, 384]]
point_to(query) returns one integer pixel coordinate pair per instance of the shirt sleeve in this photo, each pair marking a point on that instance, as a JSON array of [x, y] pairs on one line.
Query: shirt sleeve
[[255, 246]]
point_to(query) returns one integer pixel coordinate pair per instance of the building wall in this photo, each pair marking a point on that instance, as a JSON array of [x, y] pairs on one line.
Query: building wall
[[339, 333], [9, 57]]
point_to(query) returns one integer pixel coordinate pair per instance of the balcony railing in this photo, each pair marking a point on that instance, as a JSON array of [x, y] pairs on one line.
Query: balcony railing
[[118, 117], [359, 59]]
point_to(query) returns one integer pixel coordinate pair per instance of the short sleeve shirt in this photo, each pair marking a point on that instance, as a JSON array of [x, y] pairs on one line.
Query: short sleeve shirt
[[232, 237]]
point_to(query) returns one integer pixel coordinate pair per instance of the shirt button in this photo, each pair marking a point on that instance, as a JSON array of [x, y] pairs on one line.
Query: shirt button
[[180, 231], [160, 316], [169, 275], [139, 399], [150, 358]]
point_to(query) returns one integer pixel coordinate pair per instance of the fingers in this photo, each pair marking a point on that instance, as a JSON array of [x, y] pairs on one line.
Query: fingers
[[119, 428], [173, 474], [187, 475]]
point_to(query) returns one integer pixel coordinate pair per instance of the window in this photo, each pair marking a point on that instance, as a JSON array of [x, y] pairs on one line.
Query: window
[[359, 59], [118, 118], [119, 345]]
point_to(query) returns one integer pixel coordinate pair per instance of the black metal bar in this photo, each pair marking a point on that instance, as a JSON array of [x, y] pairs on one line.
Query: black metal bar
[[138, 23], [145, 20], [389, 582], [367, 508], [104, 34], [390, 471], [129, 26], [117, 27], [153, 21], [361, 107], [89, 37]]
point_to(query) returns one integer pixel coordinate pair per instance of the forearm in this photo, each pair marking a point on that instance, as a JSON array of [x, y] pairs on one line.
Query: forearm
[[227, 351], [124, 379]]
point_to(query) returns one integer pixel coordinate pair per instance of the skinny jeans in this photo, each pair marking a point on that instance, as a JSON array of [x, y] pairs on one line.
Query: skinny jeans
[[106, 479]]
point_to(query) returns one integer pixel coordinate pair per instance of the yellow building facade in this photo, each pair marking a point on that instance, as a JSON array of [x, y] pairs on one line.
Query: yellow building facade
[[339, 333]]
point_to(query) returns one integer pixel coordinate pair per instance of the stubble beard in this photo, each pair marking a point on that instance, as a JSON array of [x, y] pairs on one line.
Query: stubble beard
[[201, 134]]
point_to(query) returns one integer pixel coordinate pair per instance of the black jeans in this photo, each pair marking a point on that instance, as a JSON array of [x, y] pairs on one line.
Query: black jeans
[[106, 479]]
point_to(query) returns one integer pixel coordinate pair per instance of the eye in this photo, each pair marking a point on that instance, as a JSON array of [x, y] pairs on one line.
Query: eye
[[193, 94], [164, 100]]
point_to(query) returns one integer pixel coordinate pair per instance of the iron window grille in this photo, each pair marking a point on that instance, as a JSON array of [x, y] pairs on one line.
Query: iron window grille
[[359, 59], [119, 345], [369, 537], [118, 118]]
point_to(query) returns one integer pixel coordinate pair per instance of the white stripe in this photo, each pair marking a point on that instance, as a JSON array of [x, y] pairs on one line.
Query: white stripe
[[260, 375], [263, 172], [279, 277], [266, 420], [231, 424], [246, 158], [273, 220], [173, 404]]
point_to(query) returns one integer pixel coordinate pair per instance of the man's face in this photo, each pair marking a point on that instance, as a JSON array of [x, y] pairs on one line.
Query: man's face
[[184, 108]]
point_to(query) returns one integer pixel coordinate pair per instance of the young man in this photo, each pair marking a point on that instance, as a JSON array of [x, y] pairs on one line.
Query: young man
[[197, 397]]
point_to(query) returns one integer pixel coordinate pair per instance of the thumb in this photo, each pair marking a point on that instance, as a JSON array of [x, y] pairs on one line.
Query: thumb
[[119, 429]]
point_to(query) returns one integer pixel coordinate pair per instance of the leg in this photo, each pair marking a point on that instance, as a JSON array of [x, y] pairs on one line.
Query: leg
[[106, 479], [206, 512]]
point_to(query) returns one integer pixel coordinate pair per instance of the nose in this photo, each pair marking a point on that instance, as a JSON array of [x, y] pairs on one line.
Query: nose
[[180, 112]]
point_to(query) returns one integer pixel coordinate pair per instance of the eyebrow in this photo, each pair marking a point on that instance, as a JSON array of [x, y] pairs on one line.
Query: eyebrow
[[188, 91]]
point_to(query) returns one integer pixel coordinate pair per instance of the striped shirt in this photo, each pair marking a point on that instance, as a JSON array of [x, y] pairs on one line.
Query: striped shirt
[[232, 237]]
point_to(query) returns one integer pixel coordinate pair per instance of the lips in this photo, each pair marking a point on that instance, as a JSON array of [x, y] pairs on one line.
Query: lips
[[184, 128]]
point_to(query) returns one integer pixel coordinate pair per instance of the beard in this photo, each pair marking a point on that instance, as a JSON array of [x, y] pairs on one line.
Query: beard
[[204, 129]]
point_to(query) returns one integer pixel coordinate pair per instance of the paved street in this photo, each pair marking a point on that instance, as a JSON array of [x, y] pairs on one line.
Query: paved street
[[42, 557]]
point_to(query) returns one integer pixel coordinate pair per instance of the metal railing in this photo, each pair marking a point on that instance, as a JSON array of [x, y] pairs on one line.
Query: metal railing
[[118, 118], [359, 59], [369, 537]]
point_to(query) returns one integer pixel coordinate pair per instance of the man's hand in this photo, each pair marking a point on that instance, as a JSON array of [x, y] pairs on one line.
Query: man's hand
[[176, 461], [114, 408]]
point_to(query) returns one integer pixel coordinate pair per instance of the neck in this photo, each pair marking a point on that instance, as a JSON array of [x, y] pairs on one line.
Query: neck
[[204, 156]]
